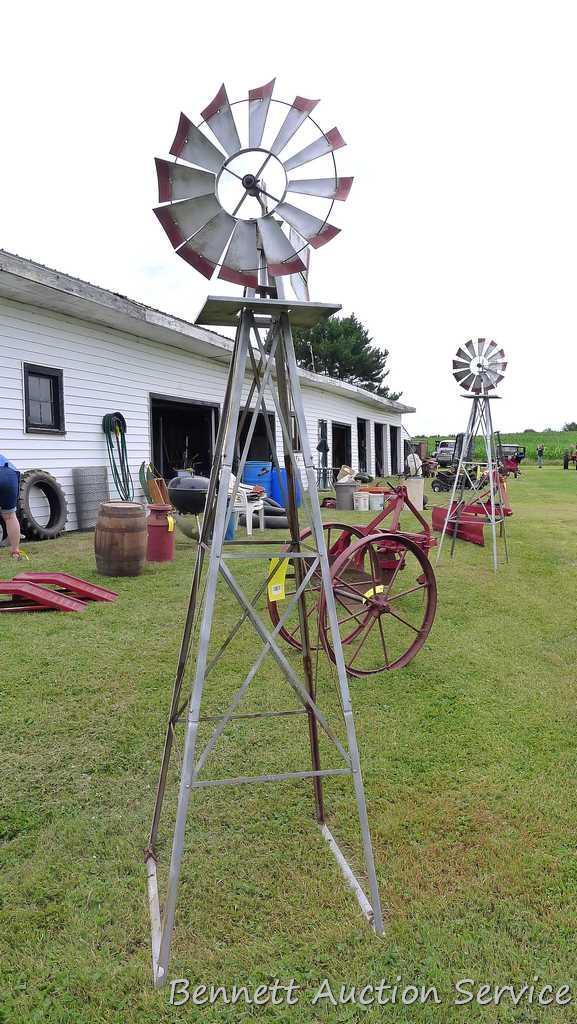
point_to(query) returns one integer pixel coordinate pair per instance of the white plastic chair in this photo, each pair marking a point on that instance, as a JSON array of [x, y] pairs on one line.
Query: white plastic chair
[[245, 507]]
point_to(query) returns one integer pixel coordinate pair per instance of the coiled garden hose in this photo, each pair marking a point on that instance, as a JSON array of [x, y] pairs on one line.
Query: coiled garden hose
[[114, 427]]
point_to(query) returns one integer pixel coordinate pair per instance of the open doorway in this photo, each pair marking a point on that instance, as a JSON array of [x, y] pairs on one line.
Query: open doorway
[[395, 434], [183, 434], [341, 444], [380, 469], [362, 445]]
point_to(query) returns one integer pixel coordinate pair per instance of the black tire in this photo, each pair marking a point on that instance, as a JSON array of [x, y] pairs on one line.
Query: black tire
[[436, 487], [54, 494]]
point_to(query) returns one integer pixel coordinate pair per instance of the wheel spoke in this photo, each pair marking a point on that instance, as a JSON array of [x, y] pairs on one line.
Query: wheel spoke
[[383, 642], [416, 629], [413, 590], [362, 640]]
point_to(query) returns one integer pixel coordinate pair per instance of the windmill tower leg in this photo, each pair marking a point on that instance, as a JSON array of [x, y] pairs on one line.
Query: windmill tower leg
[[456, 502]]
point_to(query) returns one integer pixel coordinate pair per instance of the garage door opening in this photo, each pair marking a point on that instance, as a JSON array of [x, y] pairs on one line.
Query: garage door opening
[[183, 435], [341, 445]]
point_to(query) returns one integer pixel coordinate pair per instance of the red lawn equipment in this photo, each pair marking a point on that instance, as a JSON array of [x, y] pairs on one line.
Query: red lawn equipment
[[383, 583], [29, 592]]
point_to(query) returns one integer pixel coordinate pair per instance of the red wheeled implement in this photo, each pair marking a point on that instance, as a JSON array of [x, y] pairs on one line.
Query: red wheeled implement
[[384, 587]]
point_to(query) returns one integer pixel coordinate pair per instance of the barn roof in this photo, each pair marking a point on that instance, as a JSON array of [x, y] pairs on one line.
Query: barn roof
[[24, 280]]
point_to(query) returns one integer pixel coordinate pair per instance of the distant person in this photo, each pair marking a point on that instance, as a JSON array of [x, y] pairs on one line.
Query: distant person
[[540, 451], [9, 487], [566, 459]]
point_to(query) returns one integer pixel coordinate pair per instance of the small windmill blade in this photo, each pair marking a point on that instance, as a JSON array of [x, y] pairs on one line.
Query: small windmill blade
[[280, 256], [325, 188], [192, 145], [258, 105], [206, 247], [182, 220], [298, 113], [316, 231], [218, 117], [326, 144], [176, 181], [241, 258]]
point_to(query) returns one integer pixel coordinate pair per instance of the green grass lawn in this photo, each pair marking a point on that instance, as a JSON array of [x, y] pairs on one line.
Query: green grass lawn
[[469, 765]]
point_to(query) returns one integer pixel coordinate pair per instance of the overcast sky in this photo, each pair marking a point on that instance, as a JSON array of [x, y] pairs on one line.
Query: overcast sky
[[460, 124]]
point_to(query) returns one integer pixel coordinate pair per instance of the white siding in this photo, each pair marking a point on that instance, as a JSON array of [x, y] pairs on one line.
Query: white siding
[[106, 370]]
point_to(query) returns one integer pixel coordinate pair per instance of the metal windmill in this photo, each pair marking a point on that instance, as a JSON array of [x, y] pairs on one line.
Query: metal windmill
[[225, 210], [478, 367]]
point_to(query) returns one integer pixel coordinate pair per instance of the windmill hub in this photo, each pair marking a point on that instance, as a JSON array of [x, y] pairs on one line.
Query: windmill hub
[[248, 179]]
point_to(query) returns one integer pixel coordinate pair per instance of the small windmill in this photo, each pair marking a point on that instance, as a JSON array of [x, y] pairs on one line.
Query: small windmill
[[478, 367], [224, 208]]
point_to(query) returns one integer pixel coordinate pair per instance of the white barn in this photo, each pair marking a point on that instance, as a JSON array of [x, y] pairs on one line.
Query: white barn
[[71, 352]]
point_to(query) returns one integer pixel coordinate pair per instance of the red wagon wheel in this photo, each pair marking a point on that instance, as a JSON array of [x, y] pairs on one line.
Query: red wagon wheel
[[387, 586], [338, 537]]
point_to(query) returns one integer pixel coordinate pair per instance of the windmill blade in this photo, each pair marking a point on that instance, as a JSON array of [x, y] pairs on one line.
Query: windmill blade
[[477, 383], [325, 188], [326, 144], [467, 381], [191, 144], [300, 282], [461, 364], [280, 256], [241, 259], [480, 345], [461, 354], [206, 247], [470, 349], [490, 348], [218, 117], [300, 110], [459, 375], [258, 104], [181, 220], [176, 181], [316, 231]]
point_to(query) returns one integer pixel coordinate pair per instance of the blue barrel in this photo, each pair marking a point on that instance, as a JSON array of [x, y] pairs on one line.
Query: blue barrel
[[258, 473], [278, 490]]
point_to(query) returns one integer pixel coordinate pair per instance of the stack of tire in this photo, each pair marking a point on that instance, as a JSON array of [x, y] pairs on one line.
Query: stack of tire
[[58, 509]]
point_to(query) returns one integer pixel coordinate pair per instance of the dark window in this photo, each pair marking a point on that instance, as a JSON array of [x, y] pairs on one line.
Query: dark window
[[295, 439], [44, 399]]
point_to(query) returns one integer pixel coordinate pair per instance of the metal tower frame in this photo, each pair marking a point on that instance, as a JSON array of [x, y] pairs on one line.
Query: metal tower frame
[[270, 365], [466, 483]]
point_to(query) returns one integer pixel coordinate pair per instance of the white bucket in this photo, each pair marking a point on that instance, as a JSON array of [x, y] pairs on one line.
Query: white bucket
[[361, 501], [376, 502], [415, 491]]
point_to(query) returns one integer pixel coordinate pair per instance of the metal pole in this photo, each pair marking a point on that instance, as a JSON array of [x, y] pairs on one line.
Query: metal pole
[[237, 381], [293, 521], [317, 526]]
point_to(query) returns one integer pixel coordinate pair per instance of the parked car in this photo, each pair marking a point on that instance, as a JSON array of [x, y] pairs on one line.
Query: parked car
[[444, 452]]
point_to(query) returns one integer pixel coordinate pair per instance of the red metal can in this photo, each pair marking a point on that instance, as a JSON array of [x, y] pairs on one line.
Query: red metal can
[[160, 533]]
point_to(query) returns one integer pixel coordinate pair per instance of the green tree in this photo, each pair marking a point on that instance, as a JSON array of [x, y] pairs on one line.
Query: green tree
[[343, 348], [570, 426]]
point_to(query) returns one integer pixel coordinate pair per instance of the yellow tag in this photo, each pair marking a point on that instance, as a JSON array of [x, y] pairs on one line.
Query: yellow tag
[[170, 521], [277, 570], [374, 590]]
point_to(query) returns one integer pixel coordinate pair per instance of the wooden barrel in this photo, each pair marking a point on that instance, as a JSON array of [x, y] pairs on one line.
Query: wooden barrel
[[120, 539]]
